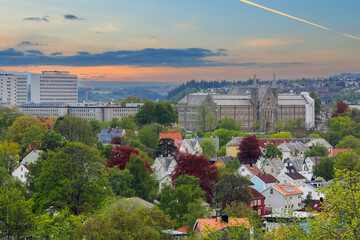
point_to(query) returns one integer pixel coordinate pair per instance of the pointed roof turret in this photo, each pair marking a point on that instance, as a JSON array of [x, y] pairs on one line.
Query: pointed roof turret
[[273, 84], [255, 82]]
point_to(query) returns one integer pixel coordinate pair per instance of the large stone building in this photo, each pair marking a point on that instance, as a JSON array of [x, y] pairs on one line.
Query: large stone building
[[247, 105]]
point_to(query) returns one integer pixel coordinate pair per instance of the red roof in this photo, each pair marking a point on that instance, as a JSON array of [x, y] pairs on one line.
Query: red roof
[[174, 135], [315, 206], [277, 142], [267, 178], [278, 187], [254, 169], [335, 151], [256, 194], [182, 229], [211, 225]]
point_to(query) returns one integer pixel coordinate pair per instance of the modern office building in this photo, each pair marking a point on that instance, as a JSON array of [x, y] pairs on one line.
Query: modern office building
[[54, 87], [13, 89]]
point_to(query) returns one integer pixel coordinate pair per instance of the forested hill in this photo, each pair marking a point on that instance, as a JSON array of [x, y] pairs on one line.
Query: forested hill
[[194, 86]]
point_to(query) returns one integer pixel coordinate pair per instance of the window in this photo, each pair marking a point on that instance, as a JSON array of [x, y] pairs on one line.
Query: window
[[271, 191], [299, 196], [259, 202]]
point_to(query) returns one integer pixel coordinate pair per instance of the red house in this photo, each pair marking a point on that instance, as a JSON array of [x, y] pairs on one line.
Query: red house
[[174, 135], [258, 202]]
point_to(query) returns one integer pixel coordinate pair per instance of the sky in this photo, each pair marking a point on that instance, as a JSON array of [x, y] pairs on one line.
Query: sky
[[176, 41]]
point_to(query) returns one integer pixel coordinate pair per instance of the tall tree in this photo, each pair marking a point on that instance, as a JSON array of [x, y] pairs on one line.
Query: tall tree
[[146, 113], [166, 147], [208, 147], [349, 142], [120, 156], [318, 108], [210, 120], [199, 167], [341, 107], [128, 122], [271, 151], [17, 129], [325, 168], [75, 129], [9, 157], [229, 124], [95, 126], [317, 150], [249, 150], [149, 136], [202, 112], [74, 177], [121, 182]]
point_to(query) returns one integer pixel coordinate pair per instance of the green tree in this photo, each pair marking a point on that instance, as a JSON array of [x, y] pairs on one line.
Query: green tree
[[149, 136], [296, 127], [257, 126], [271, 151], [210, 120], [238, 210], [58, 226], [75, 129], [7, 118], [166, 148], [137, 144], [349, 142], [16, 218], [143, 183], [113, 123], [317, 150], [146, 113], [74, 177], [33, 135], [9, 157], [229, 124], [348, 161], [127, 122], [121, 182], [17, 129], [52, 140], [95, 126], [233, 164], [318, 108], [165, 113], [325, 168], [132, 221], [222, 151], [202, 112], [208, 147]]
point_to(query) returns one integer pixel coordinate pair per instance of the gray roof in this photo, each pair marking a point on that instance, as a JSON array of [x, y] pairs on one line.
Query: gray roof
[[291, 146], [165, 162], [262, 91], [277, 164], [193, 99], [31, 157], [235, 141], [291, 99], [226, 159], [320, 141], [106, 136], [297, 161], [315, 160], [191, 143], [240, 90]]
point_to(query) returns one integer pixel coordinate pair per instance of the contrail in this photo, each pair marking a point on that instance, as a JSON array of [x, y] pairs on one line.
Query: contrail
[[298, 19]]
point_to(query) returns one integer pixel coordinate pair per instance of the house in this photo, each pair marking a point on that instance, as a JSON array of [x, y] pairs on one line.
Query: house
[[315, 206], [296, 162], [263, 181], [272, 166], [232, 147], [320, 141], [247, 171], [258, 202], [191, 146], [290, 175], [31, 157], [293, 149], [308, 167], [283, 196], [276, 220], [107, 135], [311, 190], [207, 226], [163, 168], [21, 172], [221, 161]]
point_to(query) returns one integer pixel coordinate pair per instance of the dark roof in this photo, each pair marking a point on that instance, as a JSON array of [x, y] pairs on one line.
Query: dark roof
[[106, 136], [267, 178], [226, 159], [256, 194], [295, 175], [315, 206]]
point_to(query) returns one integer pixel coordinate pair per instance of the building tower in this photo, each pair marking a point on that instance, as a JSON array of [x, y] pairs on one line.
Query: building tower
[[255, 98], [13, 89]]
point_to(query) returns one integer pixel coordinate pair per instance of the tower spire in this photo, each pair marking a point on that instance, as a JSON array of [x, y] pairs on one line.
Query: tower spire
[[255, 82], [273, 84]]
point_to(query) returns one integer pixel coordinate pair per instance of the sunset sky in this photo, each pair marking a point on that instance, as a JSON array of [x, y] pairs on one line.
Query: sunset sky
[[175, 41]]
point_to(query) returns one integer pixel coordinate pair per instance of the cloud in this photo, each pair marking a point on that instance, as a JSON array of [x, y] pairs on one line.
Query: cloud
[[26, 44], [267, 42], [149, 57], [108, 28], [37, 19], [72, 17], [56, 53]]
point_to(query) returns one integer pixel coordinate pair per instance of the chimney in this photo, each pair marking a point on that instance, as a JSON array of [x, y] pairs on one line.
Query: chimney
[[225, 218], [117, 129]]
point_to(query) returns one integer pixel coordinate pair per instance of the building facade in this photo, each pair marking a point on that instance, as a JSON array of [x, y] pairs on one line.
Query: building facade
[[100, 113], [54, 87], [248, 105], [13, 89]]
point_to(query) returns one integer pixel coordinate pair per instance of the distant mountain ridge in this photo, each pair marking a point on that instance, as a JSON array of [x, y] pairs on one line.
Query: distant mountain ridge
[[347, 75]]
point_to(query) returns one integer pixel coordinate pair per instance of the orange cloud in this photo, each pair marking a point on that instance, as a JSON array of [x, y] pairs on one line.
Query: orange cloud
[[266, 42]]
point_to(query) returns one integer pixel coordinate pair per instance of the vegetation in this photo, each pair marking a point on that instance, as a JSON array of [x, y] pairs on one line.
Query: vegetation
[[249, 150]]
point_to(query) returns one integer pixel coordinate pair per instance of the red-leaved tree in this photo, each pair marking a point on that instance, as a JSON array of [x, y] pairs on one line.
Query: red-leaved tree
[[341, 107], [199, 167], [249, 150], [120, 156]]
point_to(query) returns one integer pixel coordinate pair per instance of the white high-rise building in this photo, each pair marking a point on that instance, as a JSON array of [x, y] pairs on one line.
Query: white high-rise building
[[13, 89], [54, 87]]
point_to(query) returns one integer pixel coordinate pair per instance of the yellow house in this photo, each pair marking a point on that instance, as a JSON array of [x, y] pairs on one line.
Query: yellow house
[[232, 147]]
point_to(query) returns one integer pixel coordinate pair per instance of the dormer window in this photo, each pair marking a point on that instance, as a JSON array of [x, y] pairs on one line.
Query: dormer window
[[271, 191]]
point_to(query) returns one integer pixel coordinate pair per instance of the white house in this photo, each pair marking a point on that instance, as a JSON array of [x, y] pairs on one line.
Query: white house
[[283, 196], [191, 146], [291, 176], [272, 166], [293, 149], [20, 172], [31, 157], [247, 171], [163, 168], [309, 189]]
